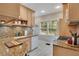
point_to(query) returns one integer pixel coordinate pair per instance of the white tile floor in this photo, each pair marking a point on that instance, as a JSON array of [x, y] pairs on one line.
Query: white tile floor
[[42, 50]]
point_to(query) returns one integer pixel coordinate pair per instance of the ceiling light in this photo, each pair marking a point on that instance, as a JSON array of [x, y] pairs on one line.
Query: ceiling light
[[42, 11], [58, 7]]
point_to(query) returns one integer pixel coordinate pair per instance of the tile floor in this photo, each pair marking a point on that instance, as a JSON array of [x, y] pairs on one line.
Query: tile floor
[[42, 50]]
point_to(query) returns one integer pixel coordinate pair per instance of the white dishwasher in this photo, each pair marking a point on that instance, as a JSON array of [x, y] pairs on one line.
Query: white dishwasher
[[34, 42]]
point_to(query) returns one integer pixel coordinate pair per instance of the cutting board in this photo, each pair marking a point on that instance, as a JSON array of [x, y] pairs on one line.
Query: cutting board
[[11, 44]]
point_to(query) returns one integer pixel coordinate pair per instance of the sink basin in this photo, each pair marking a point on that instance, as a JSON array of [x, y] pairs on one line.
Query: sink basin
[[72, 45]]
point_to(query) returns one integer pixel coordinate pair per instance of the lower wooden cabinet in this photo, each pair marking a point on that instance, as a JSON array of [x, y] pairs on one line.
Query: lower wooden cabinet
[[20, 50], [29, 44], [60, 51]]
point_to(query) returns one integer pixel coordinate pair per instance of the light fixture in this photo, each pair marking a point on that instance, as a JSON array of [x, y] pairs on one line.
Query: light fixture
[[58, 7], [2, 21], [42, 11]]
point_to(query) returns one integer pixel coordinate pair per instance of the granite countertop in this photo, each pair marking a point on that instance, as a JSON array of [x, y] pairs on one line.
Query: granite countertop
[[16, 42], [63, 44]]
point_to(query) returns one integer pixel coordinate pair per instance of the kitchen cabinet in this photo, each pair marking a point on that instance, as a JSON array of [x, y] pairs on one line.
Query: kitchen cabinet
[[70, 18], [71, 11], [29, 44], [74, 11], [23, 12], [29, 18], [64, 28], [60, 51], [9, 9], [33, 19], [18, 11], [20, 50], [27, 14]]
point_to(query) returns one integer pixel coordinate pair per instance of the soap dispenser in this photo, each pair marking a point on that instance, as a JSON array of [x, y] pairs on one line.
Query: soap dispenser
[[75, 38]]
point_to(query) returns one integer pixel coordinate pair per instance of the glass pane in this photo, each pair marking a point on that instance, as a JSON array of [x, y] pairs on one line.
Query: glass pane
[[44, 27], [52, 27]]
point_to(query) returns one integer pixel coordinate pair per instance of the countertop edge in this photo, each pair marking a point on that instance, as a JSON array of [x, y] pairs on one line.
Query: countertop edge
[[21, 37], [63, 45]]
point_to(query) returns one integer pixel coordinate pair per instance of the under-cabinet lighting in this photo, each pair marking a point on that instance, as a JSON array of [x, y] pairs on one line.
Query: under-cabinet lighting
[[2, 22], [58, 7]]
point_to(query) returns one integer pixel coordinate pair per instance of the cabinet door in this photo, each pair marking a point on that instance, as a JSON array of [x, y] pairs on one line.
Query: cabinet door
[[29, 17], [74, 11], [9, 9], [63, 28], [29, 44], [33, 18], [23, 12], [60, 51]]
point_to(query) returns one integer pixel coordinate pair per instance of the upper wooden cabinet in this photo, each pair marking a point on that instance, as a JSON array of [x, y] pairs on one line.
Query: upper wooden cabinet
[[9, 9], [18, 11], [23, 12], [27, 14], [74, 11], [71, 11]]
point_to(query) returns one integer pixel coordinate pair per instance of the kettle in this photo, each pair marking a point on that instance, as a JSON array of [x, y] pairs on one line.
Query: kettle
[[70, 40]]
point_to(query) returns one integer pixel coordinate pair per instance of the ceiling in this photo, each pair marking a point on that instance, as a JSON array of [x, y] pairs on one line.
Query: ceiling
[[44, 8]]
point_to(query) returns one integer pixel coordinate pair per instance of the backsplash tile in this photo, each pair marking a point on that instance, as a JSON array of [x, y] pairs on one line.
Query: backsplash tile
[[10, 31], [6, 32]]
